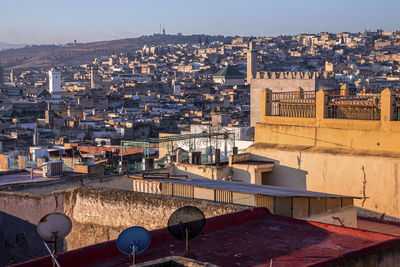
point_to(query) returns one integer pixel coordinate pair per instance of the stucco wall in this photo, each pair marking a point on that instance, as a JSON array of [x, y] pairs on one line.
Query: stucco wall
[[19, 215], [342, 217], [375, 179], [281, 85], [334, 133], [201, 171]]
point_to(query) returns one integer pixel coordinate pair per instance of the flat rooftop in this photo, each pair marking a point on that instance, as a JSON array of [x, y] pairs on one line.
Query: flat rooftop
[[249, 238], [20, 181], [21, 176], [247, 188]]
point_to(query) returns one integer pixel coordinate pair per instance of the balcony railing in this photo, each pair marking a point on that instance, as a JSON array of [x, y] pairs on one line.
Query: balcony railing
[[362, 106], [344, 103], [293, 104]]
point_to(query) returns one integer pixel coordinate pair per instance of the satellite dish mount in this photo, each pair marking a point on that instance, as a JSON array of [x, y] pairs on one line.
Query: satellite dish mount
[[186, 223], [133, 240]]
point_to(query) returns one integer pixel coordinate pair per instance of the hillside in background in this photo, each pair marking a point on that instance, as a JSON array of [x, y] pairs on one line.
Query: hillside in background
[[46, 56], [4, 46]]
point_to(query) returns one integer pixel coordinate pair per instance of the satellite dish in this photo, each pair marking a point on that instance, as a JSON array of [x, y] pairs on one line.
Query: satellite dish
[[186, 223], [133, 240], [54, 226]]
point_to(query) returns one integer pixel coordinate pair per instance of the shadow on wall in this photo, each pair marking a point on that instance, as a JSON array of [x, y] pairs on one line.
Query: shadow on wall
[[241, 175], [201, 171], [371, 213], [283, 176], [19, 240]]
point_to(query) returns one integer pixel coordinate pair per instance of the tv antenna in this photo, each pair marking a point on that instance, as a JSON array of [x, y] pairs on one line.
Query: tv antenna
[[133, 240], [52, 227], [186, 223]]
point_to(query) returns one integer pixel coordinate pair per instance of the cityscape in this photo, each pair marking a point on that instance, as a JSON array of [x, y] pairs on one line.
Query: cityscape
[[231, 147]]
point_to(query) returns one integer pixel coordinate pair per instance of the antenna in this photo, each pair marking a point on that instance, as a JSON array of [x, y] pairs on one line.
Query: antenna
[[133, 240], [52, 227], [186, 223]]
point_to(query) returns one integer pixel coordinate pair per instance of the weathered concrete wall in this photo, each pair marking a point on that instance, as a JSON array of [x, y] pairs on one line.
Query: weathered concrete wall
[[375, 179], [244, 173], [342, 217], [121, 182], [100, 215], [19, 215]]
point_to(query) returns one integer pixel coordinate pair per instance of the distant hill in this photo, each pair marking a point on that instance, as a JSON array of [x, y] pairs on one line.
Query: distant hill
[[4, 46], [45, 56]]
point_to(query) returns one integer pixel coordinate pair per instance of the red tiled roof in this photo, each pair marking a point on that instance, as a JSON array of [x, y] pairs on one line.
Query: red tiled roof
[[249, 238]]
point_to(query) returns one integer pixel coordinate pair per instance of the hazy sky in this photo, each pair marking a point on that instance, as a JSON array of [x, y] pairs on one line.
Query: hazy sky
[[62, 21]]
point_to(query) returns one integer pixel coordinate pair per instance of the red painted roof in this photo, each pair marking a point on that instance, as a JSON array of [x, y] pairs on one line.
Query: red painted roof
[[115, 149], [378, 225], [249, 238]]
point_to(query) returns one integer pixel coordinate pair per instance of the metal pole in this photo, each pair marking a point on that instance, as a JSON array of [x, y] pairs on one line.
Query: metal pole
[[225, 148], [51, 254], [54, 251], [187, 240], [122, 151]]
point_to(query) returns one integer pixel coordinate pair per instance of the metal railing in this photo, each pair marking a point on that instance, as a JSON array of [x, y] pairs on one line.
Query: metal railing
[[362, 106], [293, 104]]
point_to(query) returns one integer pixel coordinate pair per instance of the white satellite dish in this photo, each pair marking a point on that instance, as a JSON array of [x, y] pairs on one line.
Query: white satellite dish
[[54, 226]]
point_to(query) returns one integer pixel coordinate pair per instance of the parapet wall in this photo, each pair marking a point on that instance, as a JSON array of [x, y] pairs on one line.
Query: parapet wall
[[294, 75], [99, 215], [321, 131], [283, 82]]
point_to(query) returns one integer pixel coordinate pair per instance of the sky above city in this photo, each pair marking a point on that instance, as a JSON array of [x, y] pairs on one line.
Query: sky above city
[[62, 21]]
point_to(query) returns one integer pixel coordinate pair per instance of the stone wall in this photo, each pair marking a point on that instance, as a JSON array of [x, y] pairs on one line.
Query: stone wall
[[99, 215]]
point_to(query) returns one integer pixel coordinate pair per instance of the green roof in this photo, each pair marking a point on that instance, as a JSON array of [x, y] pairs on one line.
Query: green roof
[[228, 71]]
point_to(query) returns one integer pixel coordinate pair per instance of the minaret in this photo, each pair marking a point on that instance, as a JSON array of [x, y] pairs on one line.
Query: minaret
[[95, 81], [252, 62], [54, 80], [12, 76]]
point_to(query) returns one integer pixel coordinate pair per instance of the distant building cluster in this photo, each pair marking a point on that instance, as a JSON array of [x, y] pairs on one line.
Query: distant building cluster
[[288, 144]]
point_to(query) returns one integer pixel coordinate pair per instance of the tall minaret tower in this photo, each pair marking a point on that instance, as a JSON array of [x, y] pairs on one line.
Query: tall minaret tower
[[252, 62], [95, 81]]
